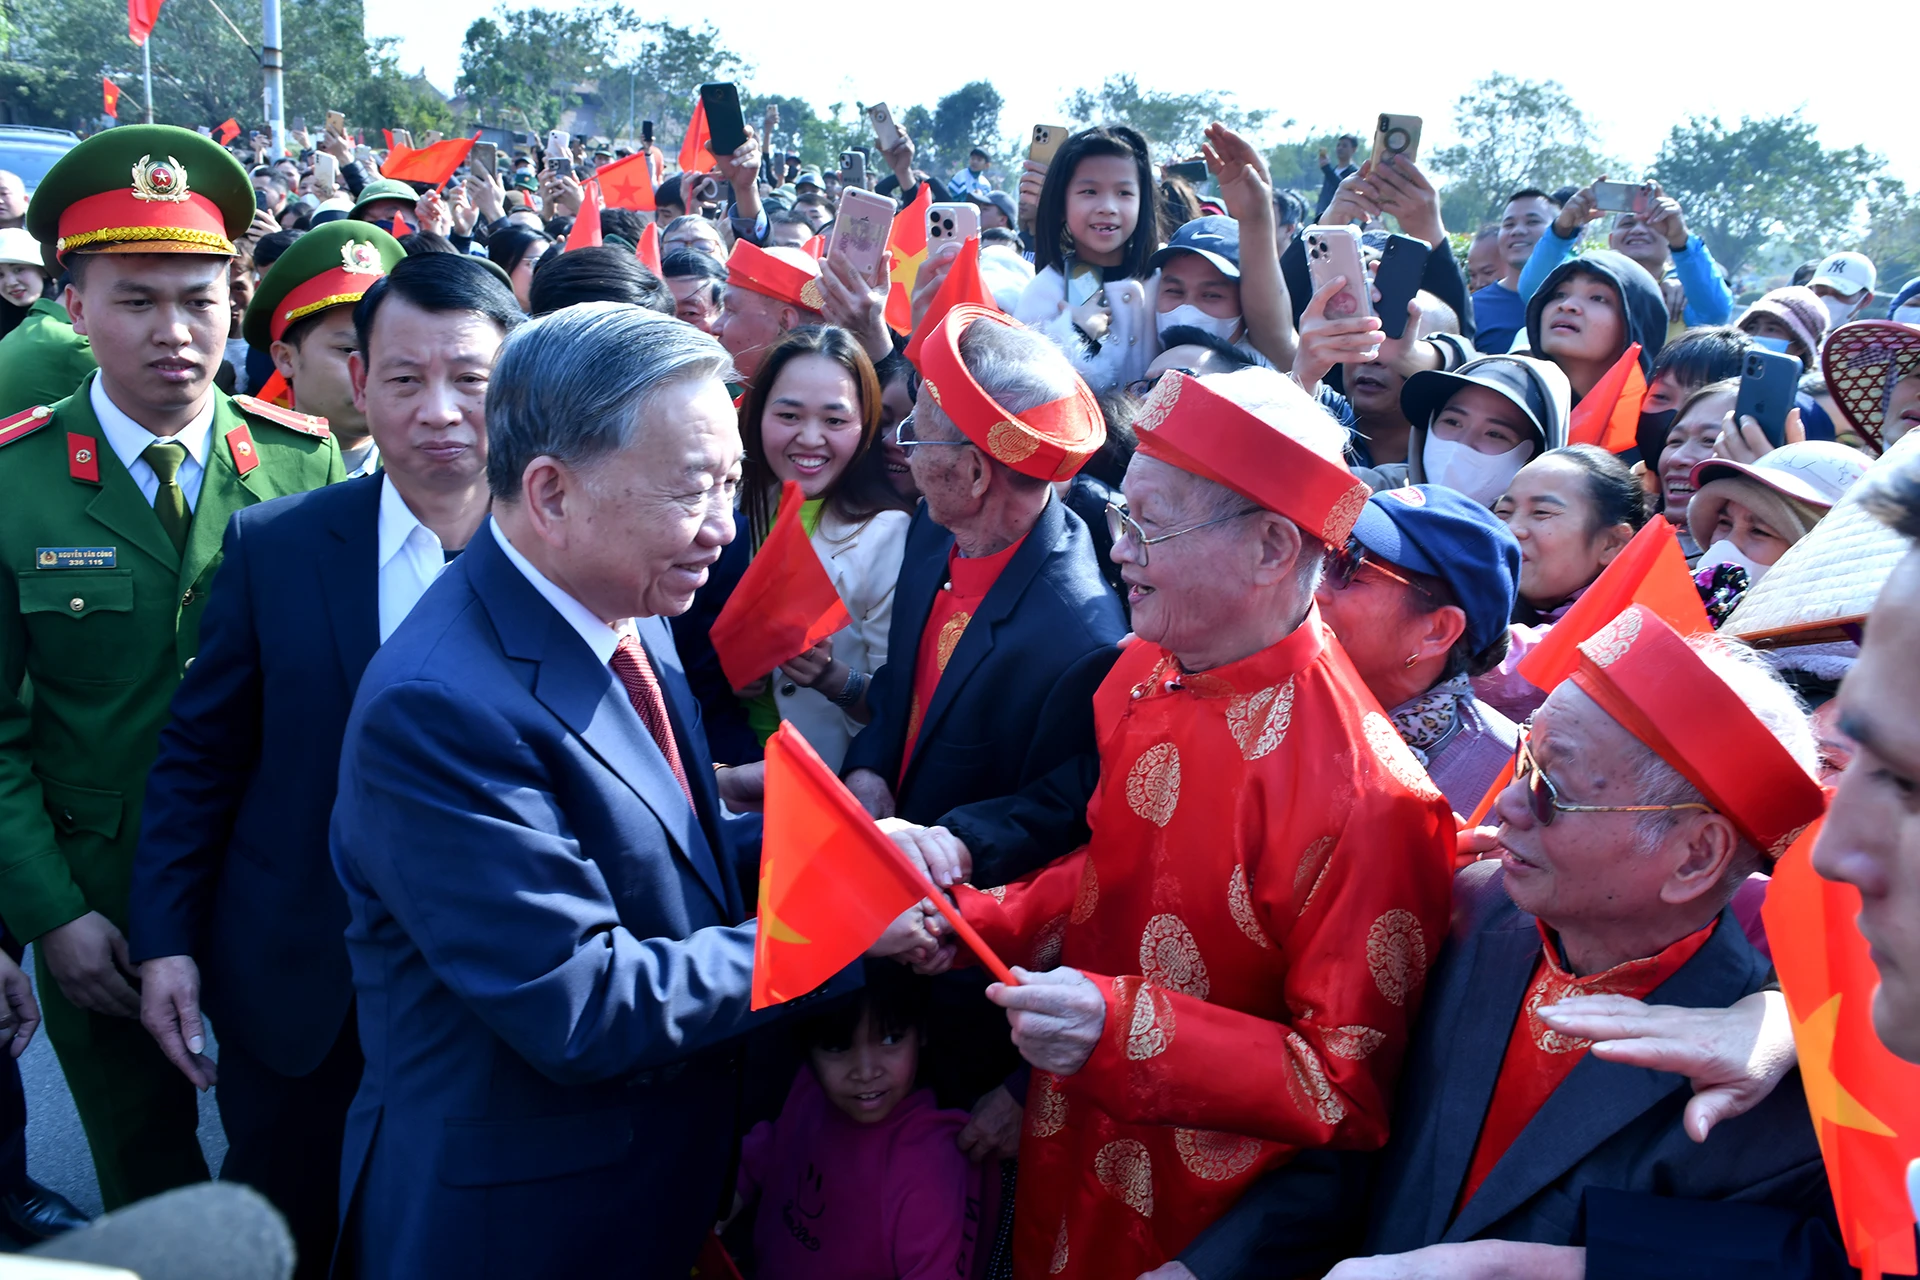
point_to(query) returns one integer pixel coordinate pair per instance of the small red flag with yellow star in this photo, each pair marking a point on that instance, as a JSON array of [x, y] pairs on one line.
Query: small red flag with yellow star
[[110, 96], [628, 183], [908, 242]]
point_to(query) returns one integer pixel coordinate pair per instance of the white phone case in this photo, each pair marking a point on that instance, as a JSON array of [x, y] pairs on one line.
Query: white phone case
[[1335, 251]]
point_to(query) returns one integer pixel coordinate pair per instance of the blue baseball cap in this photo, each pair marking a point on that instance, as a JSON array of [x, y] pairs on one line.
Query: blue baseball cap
[[1441, 532], [1216, 239]]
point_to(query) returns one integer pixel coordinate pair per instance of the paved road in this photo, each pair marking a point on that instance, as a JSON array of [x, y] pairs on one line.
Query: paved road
[[57, 1147]]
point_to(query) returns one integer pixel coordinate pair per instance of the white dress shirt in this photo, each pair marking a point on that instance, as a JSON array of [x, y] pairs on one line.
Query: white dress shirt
[[411, 557], [128, 440], [600, 637]]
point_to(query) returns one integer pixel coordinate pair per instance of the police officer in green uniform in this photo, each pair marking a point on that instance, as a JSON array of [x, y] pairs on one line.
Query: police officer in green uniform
[[113, 503]]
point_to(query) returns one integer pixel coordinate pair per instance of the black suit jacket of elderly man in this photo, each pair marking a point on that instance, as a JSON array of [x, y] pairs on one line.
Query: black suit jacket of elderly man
[[1604, 1164]]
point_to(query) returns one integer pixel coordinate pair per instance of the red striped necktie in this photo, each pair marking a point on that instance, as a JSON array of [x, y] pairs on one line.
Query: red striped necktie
[[630, 663]]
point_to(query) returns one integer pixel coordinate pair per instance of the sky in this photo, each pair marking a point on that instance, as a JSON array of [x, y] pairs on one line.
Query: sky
[[1636, 70]]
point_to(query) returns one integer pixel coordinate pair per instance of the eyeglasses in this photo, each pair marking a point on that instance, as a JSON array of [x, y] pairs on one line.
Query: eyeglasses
[[1121, 526], [1347, 561], [1544, 798], [904, 436]]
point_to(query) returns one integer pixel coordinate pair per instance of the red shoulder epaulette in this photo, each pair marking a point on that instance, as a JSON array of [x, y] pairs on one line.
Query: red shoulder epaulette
[[25, 423], [305, 423]]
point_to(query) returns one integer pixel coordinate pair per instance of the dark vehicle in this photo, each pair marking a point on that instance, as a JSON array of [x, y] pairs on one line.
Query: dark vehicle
[[30, 151]]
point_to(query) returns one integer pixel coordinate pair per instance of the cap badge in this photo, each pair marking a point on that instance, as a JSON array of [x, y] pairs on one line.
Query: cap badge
[[159, 180], [361, 258]]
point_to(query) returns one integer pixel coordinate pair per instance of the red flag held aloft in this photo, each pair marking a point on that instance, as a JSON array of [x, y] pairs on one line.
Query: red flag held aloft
[[648, 250], [141, 15], [400, 230], [785, 603], [694, 156], [586, 224], [110, 97], [227, 131], [830, 881], [1609, 415], [962, 285], [432, 165], [627, 183], [907, 240]]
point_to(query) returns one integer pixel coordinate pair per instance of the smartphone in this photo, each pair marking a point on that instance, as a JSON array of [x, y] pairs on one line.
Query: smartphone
[[484, 159], [401, 138], [646, 133], [1047, 139], [336, 123], [557, 143], [1193, 171], [956, 222], [860, 230], [1396, 136], [853, 168], [1768, 385], [1083, 282], [326, 171], [726, 128], [1620, 197], [883, 126], [432, 136], [1403, 261], [1335, 251]]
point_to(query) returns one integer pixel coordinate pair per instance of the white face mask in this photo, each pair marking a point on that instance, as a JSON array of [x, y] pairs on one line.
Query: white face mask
[[1839, 311], [1777, 345], [1464, 469], [1188, 314], [1907, 315], [1724, 552]]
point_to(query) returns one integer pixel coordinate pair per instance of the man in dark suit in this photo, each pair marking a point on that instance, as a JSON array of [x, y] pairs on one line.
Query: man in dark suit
[[1655, 780], [546, 913], [233, 888]]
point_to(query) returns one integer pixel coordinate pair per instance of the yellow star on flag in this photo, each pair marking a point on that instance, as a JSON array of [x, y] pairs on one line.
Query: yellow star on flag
[[1827, 1098]]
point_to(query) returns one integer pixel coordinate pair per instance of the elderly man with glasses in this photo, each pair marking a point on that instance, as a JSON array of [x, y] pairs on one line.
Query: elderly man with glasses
[[1246, 932]]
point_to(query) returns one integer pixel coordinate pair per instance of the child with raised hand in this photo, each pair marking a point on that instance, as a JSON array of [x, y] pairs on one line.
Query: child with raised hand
[[860, 1177]]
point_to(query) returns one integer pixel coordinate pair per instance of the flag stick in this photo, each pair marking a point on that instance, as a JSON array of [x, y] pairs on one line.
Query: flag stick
[[981, 951]]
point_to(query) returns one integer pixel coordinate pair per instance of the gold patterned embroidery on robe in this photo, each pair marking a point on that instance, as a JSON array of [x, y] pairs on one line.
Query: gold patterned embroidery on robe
[[1170, 958], [1215, 1157], [1391, 750], [1311, 869], [1259, 721], [1397, 955], [1089, 896], [1047, 944], [1307, 1082], [1153, 784], [913, 720], [1125, 1169], [1046, 1106], [1059, 1262], [1148, 1016], [1353, 1043], [1240, 906], [949, 639]]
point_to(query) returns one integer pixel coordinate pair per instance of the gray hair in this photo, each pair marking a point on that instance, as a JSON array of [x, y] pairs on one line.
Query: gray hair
[[1771, 701], [1020, 369], [1892, 495], [575, 384]]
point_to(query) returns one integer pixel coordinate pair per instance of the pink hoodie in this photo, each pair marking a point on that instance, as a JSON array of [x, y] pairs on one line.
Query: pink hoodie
[[845, 1201]]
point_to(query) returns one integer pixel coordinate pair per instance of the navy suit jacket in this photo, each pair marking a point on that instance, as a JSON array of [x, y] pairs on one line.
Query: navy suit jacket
[[546, 945], [232, 866], [1005, 712]]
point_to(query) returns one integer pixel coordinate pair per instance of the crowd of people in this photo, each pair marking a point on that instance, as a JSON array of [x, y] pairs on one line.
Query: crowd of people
[[370, 549]]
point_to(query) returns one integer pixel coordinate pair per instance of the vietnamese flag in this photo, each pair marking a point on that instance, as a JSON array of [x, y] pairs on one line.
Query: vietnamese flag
[[784, 605], [962, 285], [141, 15], [908, 242], [648, 250], [276, 391], [1609, 415], [830, 881], [228, 130], [694, 156], [1865, 1101], [1650, 570], [110, 96], [432, 165], [586, 224], [628, 183]]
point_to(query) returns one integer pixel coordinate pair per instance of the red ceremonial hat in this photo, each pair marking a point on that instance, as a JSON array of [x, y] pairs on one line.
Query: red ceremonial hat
[[1186, 425], [1050, 442], [785, 275], [1647, 677]]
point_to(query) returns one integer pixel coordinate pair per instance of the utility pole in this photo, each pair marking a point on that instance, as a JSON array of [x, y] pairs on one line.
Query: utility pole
[[276, 102], [146, 67]]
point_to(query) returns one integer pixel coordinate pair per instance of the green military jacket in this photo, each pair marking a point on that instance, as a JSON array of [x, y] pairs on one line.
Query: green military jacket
[[102, 615], [42, 360]]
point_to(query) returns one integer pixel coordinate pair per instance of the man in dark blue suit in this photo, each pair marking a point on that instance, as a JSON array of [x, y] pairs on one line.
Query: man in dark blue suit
[[547, 928], [233, 890]]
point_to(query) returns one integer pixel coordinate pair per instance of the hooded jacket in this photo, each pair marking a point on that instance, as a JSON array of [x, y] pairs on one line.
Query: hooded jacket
[[1640, 297], [1556, 426]]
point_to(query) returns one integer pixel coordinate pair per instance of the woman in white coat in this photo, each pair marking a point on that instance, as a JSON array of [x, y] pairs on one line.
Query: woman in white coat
[[813, 416]]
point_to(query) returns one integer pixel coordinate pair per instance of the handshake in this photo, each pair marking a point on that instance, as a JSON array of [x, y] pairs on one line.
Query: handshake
[[921, 936]]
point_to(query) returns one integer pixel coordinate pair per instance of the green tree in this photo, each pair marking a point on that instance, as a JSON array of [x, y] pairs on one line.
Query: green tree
[[1173, 122], [661, 74], [1893, 232], [966, 118], [1765, 181], [1513, 133], [816, 139], [531, 64]]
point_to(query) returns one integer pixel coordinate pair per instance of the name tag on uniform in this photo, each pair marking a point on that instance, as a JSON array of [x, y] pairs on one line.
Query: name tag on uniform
[[76, 557]]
